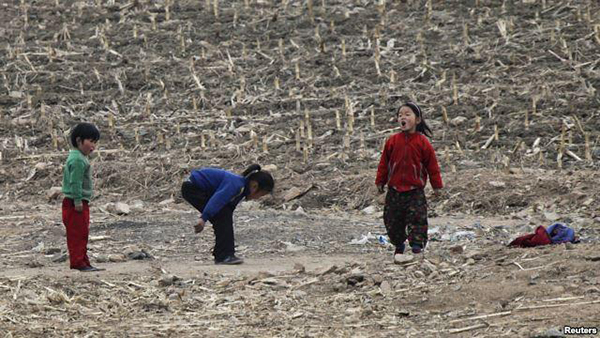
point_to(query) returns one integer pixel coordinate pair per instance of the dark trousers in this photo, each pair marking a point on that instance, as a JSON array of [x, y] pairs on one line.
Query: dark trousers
[[78, 228], [405, 217], [222, 222]]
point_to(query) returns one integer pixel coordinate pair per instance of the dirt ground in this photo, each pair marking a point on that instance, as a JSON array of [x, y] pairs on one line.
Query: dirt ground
[[307, 89]]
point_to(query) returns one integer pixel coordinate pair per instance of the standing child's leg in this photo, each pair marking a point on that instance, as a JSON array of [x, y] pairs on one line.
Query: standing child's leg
[[417, 220], [77, 225], [224, 237], [393, 218]]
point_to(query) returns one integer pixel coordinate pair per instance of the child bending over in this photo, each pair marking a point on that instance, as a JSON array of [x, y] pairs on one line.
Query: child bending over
[[216, 193]]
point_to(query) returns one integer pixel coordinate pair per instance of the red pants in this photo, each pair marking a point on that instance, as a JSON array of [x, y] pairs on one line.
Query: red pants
[[78, 229]]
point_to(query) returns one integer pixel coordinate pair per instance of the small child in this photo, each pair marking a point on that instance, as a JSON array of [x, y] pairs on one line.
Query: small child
[[407, 159], [216, 193], [77, 188]]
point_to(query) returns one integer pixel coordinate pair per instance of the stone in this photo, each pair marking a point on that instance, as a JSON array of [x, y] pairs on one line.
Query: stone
[[419, 274], [102, 259], [355, 278], [470, 261], [299, 268], [385, 287], [137, 206], [476, 255], [428, 267], [551, 216], [116, 258], [550, 333], [53, 193], [269, 167], [458, 249], [291, 247], [122, 209], [403, 259], [167, 280], [52, 251], [458, 120], [569, 246], [370, 210], [60, 258], [136, 255], [497, 184]]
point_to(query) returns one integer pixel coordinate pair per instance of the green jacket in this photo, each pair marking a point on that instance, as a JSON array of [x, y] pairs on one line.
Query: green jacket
[[77, 177]]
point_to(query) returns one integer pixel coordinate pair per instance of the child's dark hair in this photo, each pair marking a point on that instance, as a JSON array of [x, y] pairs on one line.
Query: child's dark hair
[[422, 127], [263, 178], [84, 131]]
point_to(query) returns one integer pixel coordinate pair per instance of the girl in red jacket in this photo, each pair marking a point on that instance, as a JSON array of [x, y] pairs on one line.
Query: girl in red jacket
[[407, 160]]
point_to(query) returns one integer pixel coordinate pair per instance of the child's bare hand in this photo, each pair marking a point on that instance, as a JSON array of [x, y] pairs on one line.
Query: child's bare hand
[[199, 227], [380, 189], [79, 208]]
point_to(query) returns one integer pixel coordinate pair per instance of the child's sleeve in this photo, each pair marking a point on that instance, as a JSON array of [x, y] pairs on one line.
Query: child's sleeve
[[77, 170], [433, 168], [224, 193], [383, 168]]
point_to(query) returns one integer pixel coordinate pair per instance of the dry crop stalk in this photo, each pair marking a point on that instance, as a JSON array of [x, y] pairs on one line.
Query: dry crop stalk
[[281, 50], [343, 48], [254, 138], [136, 133], [167, 11], [346, 145], [496, 135], [276, 83], [309, 135], [454, 89], [302, 134], [392, 76], [111, 121], [297, 68], [429, 11], [588, 151], [265, 147], [161, 139], [216, 8], [362, 144], [194, 104], [298, 144], [338, 122], [372, 117], [561, 147], [445, 115], [477, 127], [202, 141], [466, 39], [305, 153], [153, 21], [212, 139], [309, 4]]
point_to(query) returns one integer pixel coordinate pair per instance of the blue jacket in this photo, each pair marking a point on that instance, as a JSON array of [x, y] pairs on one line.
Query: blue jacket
[[563, 233], [223, 187]]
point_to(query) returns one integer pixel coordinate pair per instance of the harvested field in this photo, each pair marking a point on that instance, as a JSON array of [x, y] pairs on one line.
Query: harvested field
[[307, 89]]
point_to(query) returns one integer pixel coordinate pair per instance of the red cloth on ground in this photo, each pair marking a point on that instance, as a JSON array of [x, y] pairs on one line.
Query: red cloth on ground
[[78, 229], [540, 237]]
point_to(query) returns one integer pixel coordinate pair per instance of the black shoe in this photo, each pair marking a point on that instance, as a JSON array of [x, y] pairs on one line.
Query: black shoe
[[89, 269], [229, 260]]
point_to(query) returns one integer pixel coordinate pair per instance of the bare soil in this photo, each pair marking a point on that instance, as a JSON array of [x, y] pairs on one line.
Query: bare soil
[[510, 89]]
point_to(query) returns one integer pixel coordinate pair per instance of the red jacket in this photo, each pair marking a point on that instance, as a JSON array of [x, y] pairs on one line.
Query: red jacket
[[406, 161]]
